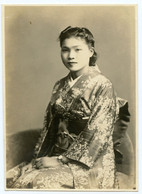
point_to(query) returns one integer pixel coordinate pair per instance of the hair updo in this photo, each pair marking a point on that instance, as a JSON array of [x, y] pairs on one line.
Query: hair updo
[[83, 33]]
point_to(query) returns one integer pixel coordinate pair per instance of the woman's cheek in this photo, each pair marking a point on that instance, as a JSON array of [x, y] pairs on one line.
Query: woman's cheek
[[64, 57]]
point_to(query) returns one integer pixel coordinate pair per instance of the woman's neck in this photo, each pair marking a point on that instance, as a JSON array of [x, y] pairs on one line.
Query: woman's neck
[[75, 74]]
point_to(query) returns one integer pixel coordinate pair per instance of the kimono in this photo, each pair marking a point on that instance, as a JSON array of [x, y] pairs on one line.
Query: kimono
[[79, 124]]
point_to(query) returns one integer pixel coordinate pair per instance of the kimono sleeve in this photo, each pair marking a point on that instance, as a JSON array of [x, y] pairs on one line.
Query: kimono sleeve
[[43, 145], [43, 132], [97, 135]]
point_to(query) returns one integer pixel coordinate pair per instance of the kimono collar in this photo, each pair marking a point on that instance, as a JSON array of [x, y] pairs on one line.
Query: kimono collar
[[69, 81], [97, 68], [72, 81]]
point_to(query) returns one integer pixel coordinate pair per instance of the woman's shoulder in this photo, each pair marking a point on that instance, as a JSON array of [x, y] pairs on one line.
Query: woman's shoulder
[[99, 78], [60, 83]]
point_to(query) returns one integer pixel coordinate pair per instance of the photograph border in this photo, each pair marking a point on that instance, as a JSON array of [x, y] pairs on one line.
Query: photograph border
[[138, 70]]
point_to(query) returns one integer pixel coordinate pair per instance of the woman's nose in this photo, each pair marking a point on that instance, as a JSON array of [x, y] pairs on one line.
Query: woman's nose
[[71, 55]]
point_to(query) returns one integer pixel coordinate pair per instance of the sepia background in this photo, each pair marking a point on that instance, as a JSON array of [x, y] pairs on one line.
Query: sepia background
[[33, 64]]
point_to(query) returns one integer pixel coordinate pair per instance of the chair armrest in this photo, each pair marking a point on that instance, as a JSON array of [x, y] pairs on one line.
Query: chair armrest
[[20, 146]]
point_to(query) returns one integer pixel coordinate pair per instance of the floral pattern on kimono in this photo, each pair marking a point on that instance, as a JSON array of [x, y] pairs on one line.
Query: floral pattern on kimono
[[90, 110]]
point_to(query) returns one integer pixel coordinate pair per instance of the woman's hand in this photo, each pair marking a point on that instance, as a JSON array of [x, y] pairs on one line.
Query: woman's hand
[[47, 162], [26, 168]]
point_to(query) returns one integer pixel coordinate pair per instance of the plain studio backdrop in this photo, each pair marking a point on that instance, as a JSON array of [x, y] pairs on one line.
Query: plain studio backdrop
[[33, 63]]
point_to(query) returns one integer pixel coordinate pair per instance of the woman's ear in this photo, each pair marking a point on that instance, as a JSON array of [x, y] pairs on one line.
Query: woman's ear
[[91, 51]]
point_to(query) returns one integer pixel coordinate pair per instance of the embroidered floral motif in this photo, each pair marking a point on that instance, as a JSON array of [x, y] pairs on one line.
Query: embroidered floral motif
[[100, 121], [80, 176], [91, 97], [54, 179]]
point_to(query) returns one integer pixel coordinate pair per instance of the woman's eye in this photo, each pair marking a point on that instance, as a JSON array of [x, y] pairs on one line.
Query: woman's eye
[[64, 50], [78, 49]]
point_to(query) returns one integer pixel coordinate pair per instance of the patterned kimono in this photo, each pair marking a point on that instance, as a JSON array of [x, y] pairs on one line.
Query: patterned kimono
[[79, 125]]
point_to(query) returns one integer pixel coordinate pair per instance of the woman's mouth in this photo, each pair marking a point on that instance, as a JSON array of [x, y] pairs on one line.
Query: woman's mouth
[[72, 63]]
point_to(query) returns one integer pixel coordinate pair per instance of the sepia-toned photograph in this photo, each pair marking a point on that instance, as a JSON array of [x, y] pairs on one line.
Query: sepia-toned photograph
[[70, 97]]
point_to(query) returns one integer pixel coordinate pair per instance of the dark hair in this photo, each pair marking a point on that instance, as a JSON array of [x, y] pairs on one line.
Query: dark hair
[[83, 33]]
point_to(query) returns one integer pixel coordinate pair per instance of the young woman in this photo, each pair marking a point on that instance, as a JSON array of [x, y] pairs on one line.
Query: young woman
[[76, 146]]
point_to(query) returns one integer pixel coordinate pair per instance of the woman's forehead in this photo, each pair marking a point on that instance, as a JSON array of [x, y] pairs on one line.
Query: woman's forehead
[[74, 41]]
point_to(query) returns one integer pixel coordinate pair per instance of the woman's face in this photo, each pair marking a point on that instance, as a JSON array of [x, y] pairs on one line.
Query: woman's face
[[75, 53]]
